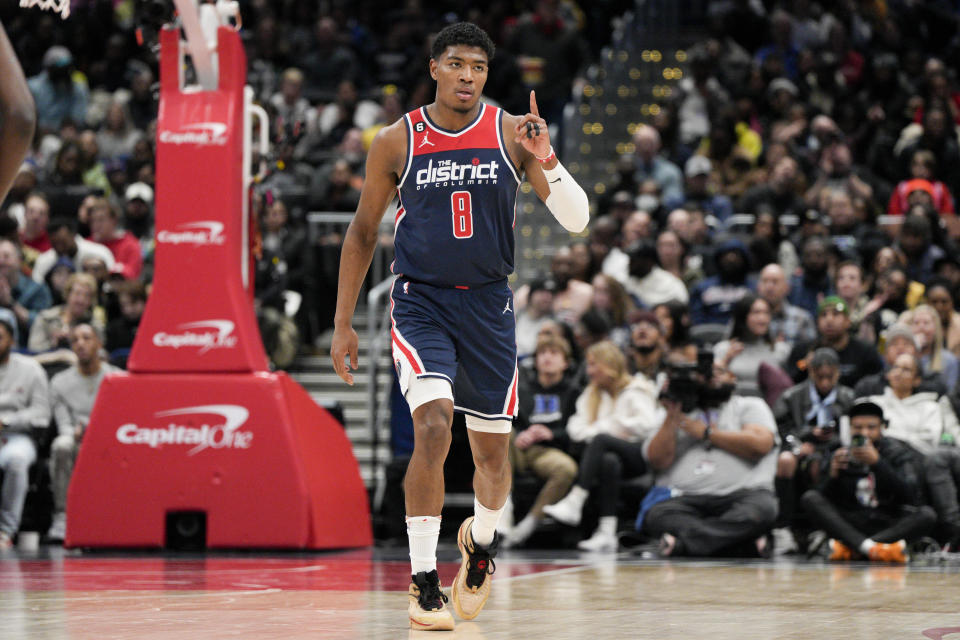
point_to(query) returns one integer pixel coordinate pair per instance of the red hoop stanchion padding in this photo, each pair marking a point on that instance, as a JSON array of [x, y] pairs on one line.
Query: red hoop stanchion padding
[[253, 451], [199, 424]]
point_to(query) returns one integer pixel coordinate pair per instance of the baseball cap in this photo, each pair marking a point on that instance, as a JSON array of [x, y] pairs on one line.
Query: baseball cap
[[778, 84], [57, 56], [139, 190], [833, 302], [865, 407], [697, 166]]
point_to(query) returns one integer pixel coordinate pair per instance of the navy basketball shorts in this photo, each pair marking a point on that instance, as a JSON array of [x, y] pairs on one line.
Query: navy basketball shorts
[[466, 337]]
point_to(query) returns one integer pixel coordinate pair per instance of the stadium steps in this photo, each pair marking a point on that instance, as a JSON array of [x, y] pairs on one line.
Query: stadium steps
[[315, 373]]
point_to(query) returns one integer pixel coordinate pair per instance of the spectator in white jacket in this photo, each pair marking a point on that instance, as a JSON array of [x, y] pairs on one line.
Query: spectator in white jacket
[[919, 419], [614, 415]]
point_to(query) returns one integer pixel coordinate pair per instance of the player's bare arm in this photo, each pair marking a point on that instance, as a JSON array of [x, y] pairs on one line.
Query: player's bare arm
[[528, 141], [384, 164], [17, 115]]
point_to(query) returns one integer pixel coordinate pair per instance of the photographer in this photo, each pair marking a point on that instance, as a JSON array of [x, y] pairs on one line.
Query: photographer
[[870, 501], [715, 455], [616, 413]]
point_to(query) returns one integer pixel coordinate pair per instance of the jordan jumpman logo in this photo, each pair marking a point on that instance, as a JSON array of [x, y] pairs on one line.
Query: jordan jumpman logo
[[425, 141]]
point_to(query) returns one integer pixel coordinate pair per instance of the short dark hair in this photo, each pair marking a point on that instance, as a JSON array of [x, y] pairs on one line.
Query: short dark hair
[[62, 223], [462, 33]]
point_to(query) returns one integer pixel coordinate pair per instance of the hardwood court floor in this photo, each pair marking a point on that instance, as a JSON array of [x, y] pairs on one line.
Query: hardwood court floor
[[361, 594]]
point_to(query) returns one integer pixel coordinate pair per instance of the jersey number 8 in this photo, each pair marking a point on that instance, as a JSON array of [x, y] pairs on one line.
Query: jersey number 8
[[462, 214]]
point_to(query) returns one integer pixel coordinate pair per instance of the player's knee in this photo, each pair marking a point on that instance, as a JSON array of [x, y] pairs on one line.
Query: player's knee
[[492, 463], [432, 433]]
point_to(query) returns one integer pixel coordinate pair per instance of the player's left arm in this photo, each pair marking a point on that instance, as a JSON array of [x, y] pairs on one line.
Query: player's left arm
[[17, 115], [565, 199]]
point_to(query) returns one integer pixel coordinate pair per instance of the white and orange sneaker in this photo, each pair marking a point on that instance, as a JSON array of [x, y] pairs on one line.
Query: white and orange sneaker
[[471, 587], [427, 608]]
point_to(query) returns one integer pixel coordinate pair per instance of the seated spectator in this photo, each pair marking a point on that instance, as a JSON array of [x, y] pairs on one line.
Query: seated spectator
[[18, 293], [919, 418], [715, 469], [712, 300], [750, 345], [132, 296], [648, 283], [870, 502], [672, 256], [67, 244], [117, 135], [808, 418], [674, 319], [857, 358], [122, 244], [58, 93], [24, 406], [615, 414], [898, 339], [894, 293], [530, 319], [916, 243], [56, 279], [548, 397], [611, 299], [638, 226], [36, 219], [700, 191], [942, 297], [650, 164], [787, 322], [573, 297], [779, 194], [51, 329], [72, 394], [810, 287], [767, 244], [943, 479], [850, 287], [924, 321], [921, 187], [138, 214]]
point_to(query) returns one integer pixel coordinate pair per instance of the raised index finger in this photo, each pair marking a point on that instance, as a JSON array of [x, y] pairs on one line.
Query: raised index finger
[[533, 103]]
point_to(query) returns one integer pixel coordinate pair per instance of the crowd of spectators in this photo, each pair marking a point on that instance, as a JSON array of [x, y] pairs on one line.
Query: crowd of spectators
[[788, 211]]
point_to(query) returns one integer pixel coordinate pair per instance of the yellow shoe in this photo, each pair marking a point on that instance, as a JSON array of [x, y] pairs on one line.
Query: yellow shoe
[[840, 552], [471, 587], [895, 552], [427, 609]]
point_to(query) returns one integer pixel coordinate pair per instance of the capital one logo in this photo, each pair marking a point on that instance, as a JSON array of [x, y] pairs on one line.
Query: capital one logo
[[218, 335], [202, 134], [200, 233], [223, 432]]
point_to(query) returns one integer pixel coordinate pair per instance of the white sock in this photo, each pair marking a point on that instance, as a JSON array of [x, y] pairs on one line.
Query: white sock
[[866, 545], [506, 520], [484, 523], [423, 532], [608, 525]]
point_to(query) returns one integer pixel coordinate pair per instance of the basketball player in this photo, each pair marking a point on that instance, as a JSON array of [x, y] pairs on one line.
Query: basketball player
[[456, 165], [17, 115]]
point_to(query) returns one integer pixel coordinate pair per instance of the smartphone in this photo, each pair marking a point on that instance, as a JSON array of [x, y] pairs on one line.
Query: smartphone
[[858, 440]]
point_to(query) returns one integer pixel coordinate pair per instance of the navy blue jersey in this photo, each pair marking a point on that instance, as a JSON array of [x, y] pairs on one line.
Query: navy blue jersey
[[458, 195]]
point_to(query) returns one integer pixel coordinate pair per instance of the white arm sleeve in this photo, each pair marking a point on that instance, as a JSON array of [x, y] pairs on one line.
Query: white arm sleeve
[[567, 200]]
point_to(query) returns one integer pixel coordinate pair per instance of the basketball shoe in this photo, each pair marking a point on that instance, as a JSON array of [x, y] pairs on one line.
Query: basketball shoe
[[427, 608], [840, 552], [471, 587], [890, 552]]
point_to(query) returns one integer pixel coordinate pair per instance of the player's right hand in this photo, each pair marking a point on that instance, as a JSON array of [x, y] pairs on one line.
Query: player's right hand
[[345, 342]]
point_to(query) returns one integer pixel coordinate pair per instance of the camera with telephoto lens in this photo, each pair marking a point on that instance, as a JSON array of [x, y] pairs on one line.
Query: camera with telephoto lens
[[686, 382]]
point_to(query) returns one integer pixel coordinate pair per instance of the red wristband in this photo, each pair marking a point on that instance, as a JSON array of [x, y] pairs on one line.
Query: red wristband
[[550, 156]]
